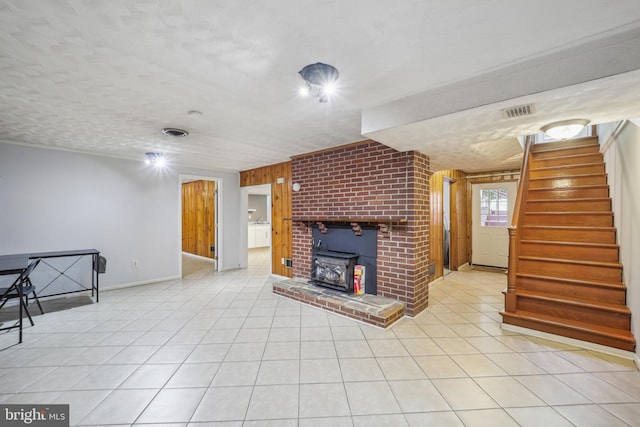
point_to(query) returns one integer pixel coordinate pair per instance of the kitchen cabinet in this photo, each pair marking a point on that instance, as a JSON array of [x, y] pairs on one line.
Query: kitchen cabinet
[[258, 235]]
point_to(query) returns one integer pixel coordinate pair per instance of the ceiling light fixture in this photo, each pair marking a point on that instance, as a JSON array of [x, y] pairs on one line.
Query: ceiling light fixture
[[155, 159], [178, 133], [320, 81], [564, 129]]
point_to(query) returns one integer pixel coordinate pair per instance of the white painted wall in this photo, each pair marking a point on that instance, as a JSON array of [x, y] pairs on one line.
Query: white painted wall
[[622, 159], [57, 200], [259, 203]]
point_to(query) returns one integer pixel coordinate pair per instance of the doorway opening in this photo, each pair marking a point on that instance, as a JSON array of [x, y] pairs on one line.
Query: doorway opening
[[446, 226], [258, 226], [200, 225]]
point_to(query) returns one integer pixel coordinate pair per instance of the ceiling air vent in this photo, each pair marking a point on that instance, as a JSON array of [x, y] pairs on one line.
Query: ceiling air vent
[[518, 111], [175, 132]]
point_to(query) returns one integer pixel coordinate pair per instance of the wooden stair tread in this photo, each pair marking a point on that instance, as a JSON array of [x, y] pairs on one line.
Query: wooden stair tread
[[586, 199], [595, 283], [571, 227], [573, 261], [579, 175], [566, 156], [596, 329], [581, 244], [593, 213], [575, 187], [596, 305], [566, 166]]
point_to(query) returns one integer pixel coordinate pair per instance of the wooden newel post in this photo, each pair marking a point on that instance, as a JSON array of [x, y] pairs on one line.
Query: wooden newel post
[[514, 253]]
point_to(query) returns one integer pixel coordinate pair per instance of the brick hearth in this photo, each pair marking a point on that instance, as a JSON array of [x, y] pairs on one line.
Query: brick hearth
[[371, 309]]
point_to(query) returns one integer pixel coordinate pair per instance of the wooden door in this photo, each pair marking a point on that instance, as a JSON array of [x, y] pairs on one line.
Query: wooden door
[[492, 210], [198, 218]]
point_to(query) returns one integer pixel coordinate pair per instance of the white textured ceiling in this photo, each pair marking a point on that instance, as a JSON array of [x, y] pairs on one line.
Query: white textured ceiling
[[106, 76]]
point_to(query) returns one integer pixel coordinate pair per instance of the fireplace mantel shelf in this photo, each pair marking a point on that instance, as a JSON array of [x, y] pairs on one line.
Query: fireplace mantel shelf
[[364, 220], [384, 223]]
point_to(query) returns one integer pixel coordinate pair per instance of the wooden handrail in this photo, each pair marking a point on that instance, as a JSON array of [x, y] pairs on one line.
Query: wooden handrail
[[523, 183], [516, 225]]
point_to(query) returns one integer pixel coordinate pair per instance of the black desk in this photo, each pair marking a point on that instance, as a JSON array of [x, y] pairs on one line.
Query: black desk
[[12, 265], [79, 253], [18, 263]]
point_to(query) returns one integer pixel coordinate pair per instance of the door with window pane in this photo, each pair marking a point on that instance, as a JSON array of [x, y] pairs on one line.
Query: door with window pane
[[491, 216]]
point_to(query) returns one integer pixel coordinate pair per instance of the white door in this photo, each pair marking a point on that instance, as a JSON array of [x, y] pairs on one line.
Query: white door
[[491, 216]]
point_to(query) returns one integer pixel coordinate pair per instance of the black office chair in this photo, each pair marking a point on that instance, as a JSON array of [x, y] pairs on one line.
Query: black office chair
[[27, 289]]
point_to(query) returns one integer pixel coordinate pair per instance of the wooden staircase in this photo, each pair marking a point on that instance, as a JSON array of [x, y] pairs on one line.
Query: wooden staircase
[[564, 272]]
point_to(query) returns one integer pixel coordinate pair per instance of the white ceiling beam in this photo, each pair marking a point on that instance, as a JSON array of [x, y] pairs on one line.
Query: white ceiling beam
[[600, 58]]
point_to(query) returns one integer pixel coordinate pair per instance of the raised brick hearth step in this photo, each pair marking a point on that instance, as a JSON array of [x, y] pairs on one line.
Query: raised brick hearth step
[[371, 309]]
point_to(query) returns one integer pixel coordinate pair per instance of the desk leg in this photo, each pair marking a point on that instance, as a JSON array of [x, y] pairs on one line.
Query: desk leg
[[94, 267], [97, 270], [20, 311]]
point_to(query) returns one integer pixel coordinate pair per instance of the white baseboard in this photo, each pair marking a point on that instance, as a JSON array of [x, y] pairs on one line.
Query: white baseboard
[[574, 342], [200, 257], [143, 282]]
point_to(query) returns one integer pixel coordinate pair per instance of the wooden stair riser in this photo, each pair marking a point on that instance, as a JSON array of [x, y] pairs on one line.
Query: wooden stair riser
[[560, 205], [593, 235], [579, 313], [561, 152], [569, 332], [588, 192], [570, 251], [566, 161], [569, 181], [574, 289], [593, 168], [571, 270], [568, 218]]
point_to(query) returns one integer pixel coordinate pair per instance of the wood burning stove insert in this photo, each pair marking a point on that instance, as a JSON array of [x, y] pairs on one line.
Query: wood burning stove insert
[[337, 250], [333, 269]]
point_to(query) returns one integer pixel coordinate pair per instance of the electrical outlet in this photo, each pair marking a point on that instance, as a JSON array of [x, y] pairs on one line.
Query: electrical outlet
[[134, 263], [282, 261]]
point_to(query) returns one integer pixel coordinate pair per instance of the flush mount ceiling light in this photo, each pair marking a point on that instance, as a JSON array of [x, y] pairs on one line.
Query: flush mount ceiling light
[[564, 129], [155, 159], [178, 133], [320, 81]]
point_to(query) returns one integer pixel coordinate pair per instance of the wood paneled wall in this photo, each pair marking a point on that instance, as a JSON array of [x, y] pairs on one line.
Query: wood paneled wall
[[459, 231], [198, 218], [281, 246]]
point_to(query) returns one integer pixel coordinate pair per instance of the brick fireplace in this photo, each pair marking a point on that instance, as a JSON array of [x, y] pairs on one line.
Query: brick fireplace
[[368, 184]]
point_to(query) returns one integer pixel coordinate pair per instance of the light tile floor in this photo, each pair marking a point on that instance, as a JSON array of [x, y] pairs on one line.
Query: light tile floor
[[219, 349]]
